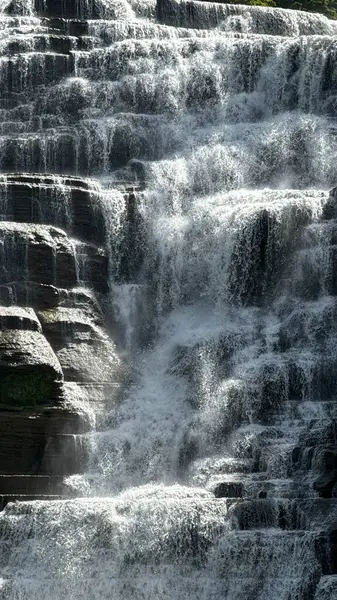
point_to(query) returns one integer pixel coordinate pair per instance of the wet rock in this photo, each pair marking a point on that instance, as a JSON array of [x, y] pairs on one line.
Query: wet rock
[[330, 208], [296, 454], [37, 253], [39, 69], [69, 9], [24, 435], [85, 300], [326, 549], [93, 267], [325, 483], [70, 26], [64, 455], [30, 373], [252, 514], [67, 203], [229, 489], [36, 295], [327, 588], [85, 352], [29, 485], [15, 317], [133, 243]]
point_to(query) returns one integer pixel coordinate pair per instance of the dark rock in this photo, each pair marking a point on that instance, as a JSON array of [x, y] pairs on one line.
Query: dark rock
[[252, 514], [24, 436], [36, 295], [69, 9], [70, 26], [325, 483], [64, 202], [229, 489], [37, 253], [45, 254], [6, 498], [15, 317], [30, 373], [64, 455], [133, 244], [93, 267], [295, 455], [85, 352], [330, 208], [39, 69], [29, 485], [333, 549]]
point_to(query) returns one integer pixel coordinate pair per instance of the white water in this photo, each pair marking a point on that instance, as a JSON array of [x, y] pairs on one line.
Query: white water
[[228, 324]]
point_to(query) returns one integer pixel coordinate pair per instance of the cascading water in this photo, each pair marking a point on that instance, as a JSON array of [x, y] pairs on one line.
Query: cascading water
[[223, 287]]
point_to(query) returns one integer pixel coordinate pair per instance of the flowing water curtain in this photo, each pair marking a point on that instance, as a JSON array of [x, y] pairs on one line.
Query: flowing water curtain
[[211, 130]]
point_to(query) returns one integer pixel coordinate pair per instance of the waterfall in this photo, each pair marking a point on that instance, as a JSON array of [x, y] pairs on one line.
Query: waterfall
[[193, 152]]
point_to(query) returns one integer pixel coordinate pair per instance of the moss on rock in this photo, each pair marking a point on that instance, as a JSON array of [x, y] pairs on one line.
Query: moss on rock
[[27, 387], [30, 373]]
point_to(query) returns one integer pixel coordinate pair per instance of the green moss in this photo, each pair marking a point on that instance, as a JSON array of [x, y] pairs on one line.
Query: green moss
[[26, 387]]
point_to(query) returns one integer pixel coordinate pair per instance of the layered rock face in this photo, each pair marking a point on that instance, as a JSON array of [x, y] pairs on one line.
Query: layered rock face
[[54, 347], [166, 188]]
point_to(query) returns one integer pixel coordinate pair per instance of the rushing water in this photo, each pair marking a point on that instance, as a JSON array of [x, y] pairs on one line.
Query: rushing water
[[226, 312]]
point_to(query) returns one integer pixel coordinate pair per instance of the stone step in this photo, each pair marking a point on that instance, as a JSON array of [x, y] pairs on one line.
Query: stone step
[[72, 27], [45, 254], [41, 42], [26, 72], [61, 202], [303, 514], [29, 439], [45, 179], [69, 9], [254, 485], [208, 14], [50, 420], [84, 350], [82, 150], [15, 317]]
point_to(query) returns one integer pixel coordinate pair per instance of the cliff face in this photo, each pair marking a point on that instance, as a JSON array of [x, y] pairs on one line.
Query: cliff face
[[54, 346], [56, 246]]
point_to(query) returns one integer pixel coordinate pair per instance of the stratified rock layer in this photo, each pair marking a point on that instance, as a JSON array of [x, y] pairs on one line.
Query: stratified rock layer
[[53, 283]]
